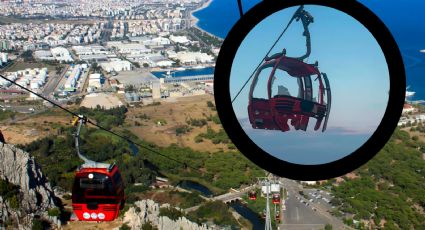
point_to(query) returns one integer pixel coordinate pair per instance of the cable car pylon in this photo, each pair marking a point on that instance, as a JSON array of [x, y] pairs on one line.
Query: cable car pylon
[[267, 187], [268, 225]]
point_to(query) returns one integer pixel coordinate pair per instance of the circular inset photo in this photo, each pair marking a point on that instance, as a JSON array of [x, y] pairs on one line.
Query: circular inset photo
[[315, 88]]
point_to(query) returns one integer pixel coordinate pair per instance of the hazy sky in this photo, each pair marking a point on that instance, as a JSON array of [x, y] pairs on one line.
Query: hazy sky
[[356, 69]]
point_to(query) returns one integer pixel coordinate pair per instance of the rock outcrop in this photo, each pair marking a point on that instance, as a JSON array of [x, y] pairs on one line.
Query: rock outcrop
[[35, 193], [148, 211]]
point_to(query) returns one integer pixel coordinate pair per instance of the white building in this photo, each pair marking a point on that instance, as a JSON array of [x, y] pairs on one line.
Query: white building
[[95, 80], [3, 57], [61, 54], [129, 48], [164, 63], [116, 65], [194, 57], [71, 82], [273, 188], [179, 39], [158, 41], [408, 108], [34, 78], [44, 55]]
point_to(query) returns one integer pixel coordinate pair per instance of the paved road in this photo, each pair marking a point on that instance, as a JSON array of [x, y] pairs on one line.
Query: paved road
[[298, 215], [53, 81]]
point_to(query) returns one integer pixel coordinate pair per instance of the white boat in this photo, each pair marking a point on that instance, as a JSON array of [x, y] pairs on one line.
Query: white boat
[[199, 67], [422, 51], [180, 69], [168, 74], [409, 93]]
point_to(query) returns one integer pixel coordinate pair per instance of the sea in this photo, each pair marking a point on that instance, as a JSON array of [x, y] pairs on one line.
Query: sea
[[184, 73], [406, 21]]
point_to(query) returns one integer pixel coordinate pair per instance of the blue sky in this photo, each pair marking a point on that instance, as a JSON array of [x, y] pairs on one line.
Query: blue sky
[[357, 72]]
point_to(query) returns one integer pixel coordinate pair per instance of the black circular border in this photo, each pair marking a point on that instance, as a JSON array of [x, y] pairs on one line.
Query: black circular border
[[298, 171]]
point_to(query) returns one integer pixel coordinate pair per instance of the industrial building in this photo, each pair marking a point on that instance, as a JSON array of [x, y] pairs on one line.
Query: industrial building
[[61, 54], [134, 78], [116, 65], [95, 53], [179, 39], [95, 80], [129, 48], [132, 97], [198, 78], [44, 55], [192, 58], [3, 58], [34, 78], [151, 41], [71, 82]]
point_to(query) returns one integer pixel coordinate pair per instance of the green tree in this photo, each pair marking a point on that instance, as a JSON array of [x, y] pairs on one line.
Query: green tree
[[27, 56], [171, 213], [148, 226], [125, 227], [53, 212], [328, 227]]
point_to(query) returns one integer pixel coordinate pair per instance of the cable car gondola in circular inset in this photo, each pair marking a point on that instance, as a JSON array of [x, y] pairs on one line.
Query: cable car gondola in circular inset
[[275, 112]]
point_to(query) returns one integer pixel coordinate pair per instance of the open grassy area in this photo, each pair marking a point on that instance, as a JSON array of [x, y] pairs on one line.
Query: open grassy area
[[23, 65], [174, 117]]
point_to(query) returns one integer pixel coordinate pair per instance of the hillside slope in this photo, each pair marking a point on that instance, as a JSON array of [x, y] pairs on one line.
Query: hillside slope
[[25, 191]]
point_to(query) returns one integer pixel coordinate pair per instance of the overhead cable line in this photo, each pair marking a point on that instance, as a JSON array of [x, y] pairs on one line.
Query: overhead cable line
[[98, 126], [270, 50], [240, 7]]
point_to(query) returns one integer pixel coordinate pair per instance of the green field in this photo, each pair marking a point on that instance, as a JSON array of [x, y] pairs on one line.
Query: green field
[[23, 65]]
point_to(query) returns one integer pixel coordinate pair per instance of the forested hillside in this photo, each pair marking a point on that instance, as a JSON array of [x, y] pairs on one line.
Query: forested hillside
[[390, 188]]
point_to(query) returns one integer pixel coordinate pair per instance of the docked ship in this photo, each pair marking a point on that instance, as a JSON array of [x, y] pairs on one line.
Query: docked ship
[[409, 94], [199, 67], [180, 69]]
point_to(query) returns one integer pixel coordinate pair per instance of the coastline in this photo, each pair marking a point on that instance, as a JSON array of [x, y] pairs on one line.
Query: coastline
[[194, 20]]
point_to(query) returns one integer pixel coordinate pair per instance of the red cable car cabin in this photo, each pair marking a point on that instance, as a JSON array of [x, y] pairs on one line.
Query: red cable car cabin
[[252, 195], [275, 112], [276, 198], [98, 193]]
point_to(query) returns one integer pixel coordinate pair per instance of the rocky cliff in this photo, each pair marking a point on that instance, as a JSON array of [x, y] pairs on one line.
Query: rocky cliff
[[35, 193], [148, 211]]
